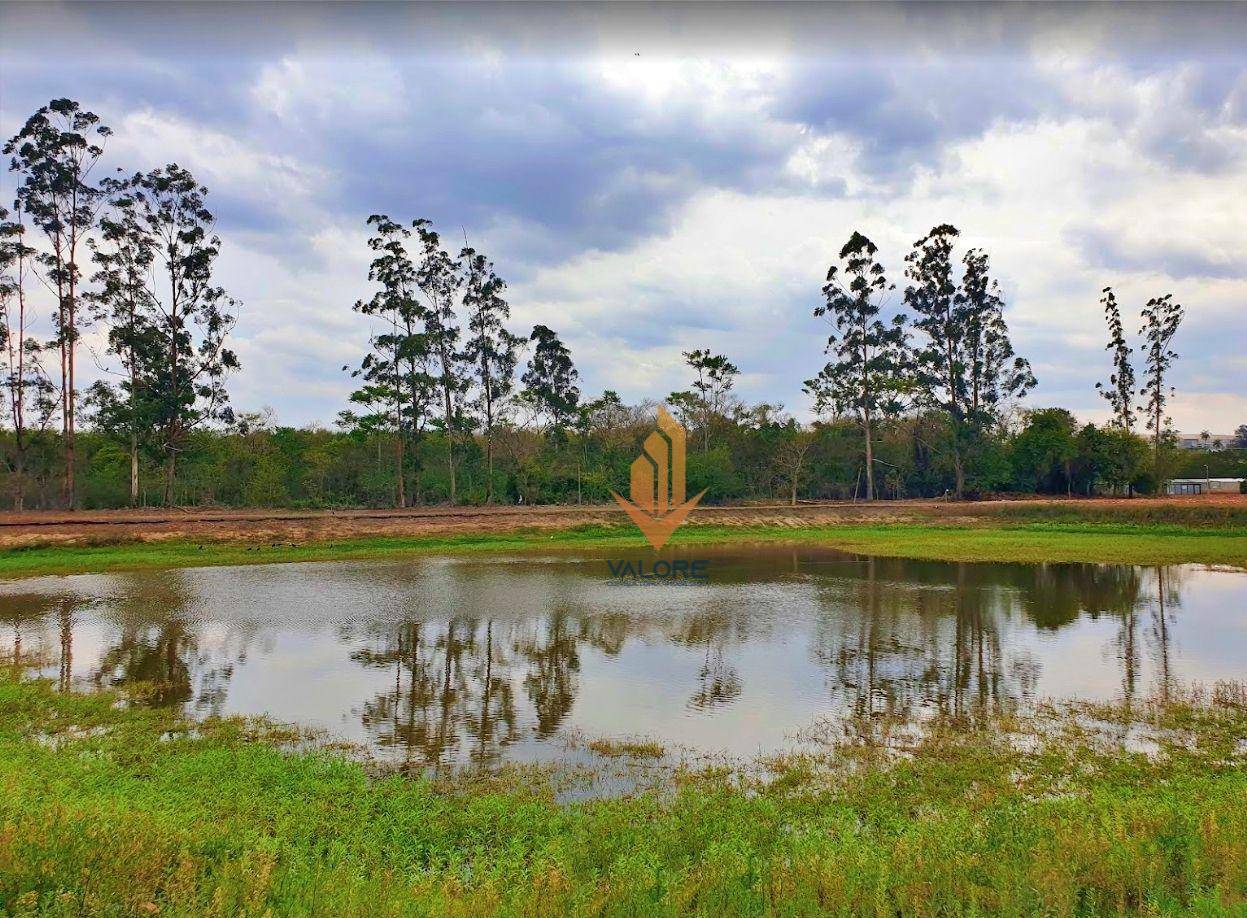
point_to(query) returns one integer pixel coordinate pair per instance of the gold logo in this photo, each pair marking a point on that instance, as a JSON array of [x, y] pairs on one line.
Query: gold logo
[[658, 506]]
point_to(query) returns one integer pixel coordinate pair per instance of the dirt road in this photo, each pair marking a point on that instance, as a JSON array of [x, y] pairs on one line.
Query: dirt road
[[111, 526]]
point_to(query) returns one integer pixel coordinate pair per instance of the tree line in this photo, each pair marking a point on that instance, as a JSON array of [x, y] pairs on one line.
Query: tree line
[[144, 243], [920, 394]]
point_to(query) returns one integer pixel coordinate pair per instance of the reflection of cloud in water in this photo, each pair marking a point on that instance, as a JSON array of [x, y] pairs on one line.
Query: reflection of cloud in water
[[480, 660]]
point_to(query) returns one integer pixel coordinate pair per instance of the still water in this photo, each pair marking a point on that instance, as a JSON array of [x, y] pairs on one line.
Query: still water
[[437, 662]]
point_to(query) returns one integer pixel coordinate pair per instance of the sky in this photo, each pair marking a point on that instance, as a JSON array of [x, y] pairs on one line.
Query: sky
[[650, 179]]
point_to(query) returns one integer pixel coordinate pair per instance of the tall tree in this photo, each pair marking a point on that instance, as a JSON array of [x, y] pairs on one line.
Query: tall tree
[[1161, 318], [191, 317], [712, 390], [1120, 389], [398, 387], [438, 278], [29, 395], [965, 365], [55, 152], [995, 372], [491, 350], [870, 357], [550, 379], [124, 256]]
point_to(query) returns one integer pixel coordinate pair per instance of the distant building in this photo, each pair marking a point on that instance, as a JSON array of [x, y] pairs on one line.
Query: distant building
[[1206, 486], [1214, 441]]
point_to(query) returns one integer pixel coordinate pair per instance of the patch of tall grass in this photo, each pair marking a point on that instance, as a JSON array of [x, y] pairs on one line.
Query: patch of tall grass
[[107, 808]]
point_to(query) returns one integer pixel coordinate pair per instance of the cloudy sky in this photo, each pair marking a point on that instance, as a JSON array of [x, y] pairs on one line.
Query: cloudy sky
[[651, 179]]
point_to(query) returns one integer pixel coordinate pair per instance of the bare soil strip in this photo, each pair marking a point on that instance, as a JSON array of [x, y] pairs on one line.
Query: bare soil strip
[[259, 525]]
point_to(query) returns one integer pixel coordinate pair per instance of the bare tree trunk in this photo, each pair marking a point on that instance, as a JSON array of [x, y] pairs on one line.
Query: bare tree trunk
[[134, 469], [71, 495], [171, 458], [450, 444], [870, 459], [1156, 438], [489, 462], [17, 394], [71, 481], [19, 479], [63, 343], [401, 499]]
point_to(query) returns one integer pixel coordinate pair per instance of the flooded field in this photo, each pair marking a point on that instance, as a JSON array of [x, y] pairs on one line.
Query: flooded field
[[436, 662]]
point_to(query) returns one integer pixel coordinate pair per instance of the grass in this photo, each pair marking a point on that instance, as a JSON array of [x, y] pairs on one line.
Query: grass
[[107, 808], [611, 748], [1116, 542]]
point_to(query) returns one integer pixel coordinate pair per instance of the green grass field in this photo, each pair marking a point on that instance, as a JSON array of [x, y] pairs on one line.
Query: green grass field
[[1127, 543], [109, 809]]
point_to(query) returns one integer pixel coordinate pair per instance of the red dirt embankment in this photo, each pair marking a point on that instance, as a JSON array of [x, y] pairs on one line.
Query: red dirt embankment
[[110, 526]]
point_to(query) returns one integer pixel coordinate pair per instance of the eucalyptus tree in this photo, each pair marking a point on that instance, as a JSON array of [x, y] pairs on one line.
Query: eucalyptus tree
[[190, 316], [398, 387], [1120, 389], [964, 364], [438, 278], [55, 153], [1161, 318], [550, 378], [870, 356], [716, 376], [125, 254], [29, 396], [491, 350], [995, 373]]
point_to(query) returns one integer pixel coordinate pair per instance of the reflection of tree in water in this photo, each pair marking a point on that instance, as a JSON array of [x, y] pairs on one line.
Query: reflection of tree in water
[[166, 659], [718, 682], [878, 644], [941, 646], [429, 700], [553, 675], [893, 636], [714, 627], [494, 725], [158, 646], [1168, 598], [1130, 644], [154, 646], [24, 617], [453, 695]]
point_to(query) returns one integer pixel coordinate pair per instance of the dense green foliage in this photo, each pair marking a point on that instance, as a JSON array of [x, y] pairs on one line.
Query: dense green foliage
[[113, 809], [750, 457]]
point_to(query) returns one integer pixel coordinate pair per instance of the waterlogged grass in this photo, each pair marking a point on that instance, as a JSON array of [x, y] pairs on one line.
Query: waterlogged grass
[[107, 809], [1127, 543]]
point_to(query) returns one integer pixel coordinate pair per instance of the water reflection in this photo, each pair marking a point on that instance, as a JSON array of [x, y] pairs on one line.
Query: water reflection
[[473, 662]]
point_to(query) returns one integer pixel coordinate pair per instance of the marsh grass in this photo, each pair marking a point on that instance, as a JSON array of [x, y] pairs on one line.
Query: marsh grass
[[624, 747], [110, 808]]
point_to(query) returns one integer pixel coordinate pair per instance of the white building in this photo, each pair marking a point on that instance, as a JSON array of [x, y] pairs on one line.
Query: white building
[[1206, 486], [1212, 441]]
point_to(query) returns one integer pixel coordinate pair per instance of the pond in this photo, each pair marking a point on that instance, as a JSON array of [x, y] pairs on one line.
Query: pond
[[479, 660]]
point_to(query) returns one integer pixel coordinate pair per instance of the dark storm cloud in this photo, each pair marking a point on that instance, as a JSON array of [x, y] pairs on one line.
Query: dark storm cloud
[[904, 110], [506, 123]]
